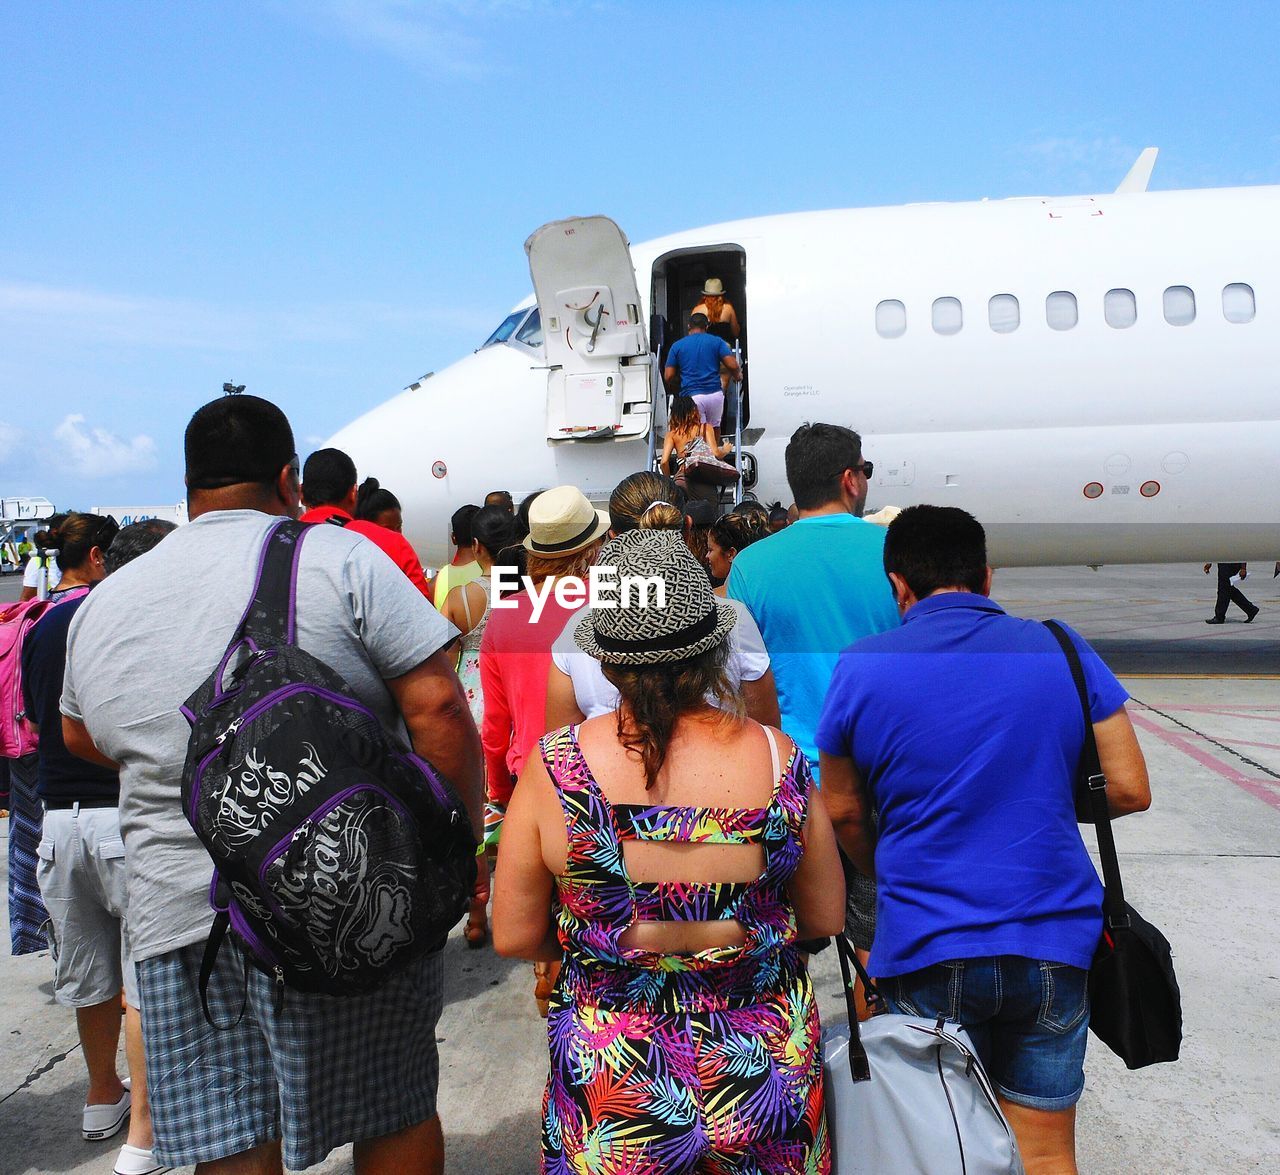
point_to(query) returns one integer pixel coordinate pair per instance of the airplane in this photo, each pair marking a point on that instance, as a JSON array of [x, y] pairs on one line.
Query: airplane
[[1092, 377]]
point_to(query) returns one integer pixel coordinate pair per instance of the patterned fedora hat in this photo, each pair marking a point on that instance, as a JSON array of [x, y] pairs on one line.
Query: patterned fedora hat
[[642, 632]]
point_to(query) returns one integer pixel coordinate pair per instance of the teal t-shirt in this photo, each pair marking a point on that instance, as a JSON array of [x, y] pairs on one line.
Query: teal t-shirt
[[814, 589]]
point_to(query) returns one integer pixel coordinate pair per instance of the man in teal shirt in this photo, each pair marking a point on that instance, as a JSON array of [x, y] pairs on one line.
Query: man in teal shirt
[[819, 585], [815, 588]]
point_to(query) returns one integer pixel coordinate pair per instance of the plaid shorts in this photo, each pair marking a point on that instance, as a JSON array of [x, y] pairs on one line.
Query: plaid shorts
[[323, 1072]]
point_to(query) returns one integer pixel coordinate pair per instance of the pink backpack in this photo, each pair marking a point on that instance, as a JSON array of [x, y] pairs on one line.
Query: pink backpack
[[17, 736]]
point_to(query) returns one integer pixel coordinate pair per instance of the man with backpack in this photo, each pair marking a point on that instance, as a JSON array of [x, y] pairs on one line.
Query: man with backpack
[[288, 1075]]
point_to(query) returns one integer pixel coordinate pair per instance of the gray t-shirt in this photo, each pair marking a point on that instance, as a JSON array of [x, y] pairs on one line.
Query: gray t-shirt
[[148, 636]]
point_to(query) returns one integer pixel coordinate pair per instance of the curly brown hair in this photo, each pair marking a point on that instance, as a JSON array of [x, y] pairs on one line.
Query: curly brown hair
[[655, 697]]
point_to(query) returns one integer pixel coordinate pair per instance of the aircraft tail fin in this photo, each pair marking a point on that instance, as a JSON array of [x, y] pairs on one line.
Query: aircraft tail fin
[[1139, 175]]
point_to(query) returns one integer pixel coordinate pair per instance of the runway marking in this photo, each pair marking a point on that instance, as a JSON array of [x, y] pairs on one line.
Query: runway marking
[[1226, 711], [1263, 789], [1260, 746], [1201, 677]]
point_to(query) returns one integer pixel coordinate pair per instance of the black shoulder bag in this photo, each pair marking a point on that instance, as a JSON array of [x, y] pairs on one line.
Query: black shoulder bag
[[1136, 1007]]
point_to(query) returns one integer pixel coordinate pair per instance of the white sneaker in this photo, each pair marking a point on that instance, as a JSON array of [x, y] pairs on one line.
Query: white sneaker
[[102, 1121], [134, 1160]]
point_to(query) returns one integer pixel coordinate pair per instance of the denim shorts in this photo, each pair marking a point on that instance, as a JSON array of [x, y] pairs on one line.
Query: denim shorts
[[1028, 1019]]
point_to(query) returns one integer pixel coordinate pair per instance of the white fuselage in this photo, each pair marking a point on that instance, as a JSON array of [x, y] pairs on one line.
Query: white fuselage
[[1010, 425]]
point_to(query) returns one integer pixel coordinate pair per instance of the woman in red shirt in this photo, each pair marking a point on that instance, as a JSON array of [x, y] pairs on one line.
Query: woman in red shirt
[[565, 534]]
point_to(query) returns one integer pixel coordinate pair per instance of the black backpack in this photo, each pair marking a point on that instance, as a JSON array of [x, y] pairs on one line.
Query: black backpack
[[339, 855]]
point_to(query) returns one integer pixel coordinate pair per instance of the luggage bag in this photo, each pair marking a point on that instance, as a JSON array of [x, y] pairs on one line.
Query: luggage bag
[[908, 1095]]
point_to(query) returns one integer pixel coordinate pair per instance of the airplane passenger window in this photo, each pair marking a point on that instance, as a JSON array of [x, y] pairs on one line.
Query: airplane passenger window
[[1120, 308], [1061, 310], [531, 333], [1003, 314], [948, 317], [506, 328], [891, 319], [1237, 303], [1179, 306]]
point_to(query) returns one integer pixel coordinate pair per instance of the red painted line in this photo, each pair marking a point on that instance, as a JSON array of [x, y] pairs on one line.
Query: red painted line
[[1222, 708], [1260, 789]]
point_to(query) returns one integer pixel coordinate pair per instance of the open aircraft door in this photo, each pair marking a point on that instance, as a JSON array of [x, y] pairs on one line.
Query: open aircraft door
[[600, 371]]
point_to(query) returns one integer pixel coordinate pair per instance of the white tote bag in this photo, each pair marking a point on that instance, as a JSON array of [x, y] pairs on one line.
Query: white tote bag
[[909, 1096]]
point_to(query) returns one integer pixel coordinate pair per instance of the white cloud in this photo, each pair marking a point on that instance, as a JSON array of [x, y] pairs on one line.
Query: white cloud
[[424, 33], [446, 36], [71, 316], [10, 439], [1099, 162], [96, 452]]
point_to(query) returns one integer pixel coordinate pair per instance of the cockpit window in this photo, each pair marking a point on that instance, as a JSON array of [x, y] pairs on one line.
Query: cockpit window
[[522, 326], [506, 328], [531, 333]]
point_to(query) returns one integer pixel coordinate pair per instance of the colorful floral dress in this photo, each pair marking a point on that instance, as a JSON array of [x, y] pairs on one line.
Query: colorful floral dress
[[707, 1062]]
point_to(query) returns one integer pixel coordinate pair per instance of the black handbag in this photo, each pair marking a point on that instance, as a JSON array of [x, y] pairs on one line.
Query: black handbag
[[1136, 1007]]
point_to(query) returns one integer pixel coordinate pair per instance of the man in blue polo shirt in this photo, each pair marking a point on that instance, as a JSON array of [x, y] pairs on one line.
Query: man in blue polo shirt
[[963, 730]]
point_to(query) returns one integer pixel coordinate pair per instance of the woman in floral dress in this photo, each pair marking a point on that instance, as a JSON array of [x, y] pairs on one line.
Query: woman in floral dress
[[685, 849]]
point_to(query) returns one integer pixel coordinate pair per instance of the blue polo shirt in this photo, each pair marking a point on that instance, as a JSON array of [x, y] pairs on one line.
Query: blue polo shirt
[[813, 589], [967, 728], [697, 358]]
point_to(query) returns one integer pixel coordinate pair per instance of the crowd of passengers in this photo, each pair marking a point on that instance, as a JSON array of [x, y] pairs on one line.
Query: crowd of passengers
[[829, 727]]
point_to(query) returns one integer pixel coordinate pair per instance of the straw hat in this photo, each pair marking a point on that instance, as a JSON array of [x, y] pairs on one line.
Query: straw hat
[[714, 288], [692, 622], [562, 522]]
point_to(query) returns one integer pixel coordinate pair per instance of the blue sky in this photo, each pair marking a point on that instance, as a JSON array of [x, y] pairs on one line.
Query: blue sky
[[324, 199]]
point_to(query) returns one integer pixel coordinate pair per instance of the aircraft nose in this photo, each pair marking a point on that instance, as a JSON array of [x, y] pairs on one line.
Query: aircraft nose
[[436, 444]]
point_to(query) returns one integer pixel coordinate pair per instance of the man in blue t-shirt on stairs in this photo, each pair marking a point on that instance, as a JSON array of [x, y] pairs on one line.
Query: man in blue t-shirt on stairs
[[695, 360]]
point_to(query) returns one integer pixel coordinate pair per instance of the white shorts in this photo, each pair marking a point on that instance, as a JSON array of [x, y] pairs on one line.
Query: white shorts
[[81, 876], [710, 408]]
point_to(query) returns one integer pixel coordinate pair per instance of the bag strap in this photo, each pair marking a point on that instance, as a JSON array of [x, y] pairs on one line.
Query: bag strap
[[859, 1065], [270, 620], [1095, 783]]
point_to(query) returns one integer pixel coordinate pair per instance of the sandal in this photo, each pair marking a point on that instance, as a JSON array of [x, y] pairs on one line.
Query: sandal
[[544, 983]]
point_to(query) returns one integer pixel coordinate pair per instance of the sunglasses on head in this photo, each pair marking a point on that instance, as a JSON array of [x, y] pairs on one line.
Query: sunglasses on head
[[867, 468], [106, 531]]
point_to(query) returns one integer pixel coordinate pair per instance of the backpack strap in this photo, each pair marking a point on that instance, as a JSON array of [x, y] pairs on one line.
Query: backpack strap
[[220, 900], [270, 620], [270, 617]]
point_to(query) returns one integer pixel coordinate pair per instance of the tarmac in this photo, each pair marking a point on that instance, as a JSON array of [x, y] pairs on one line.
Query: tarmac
[[1203, 865]]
